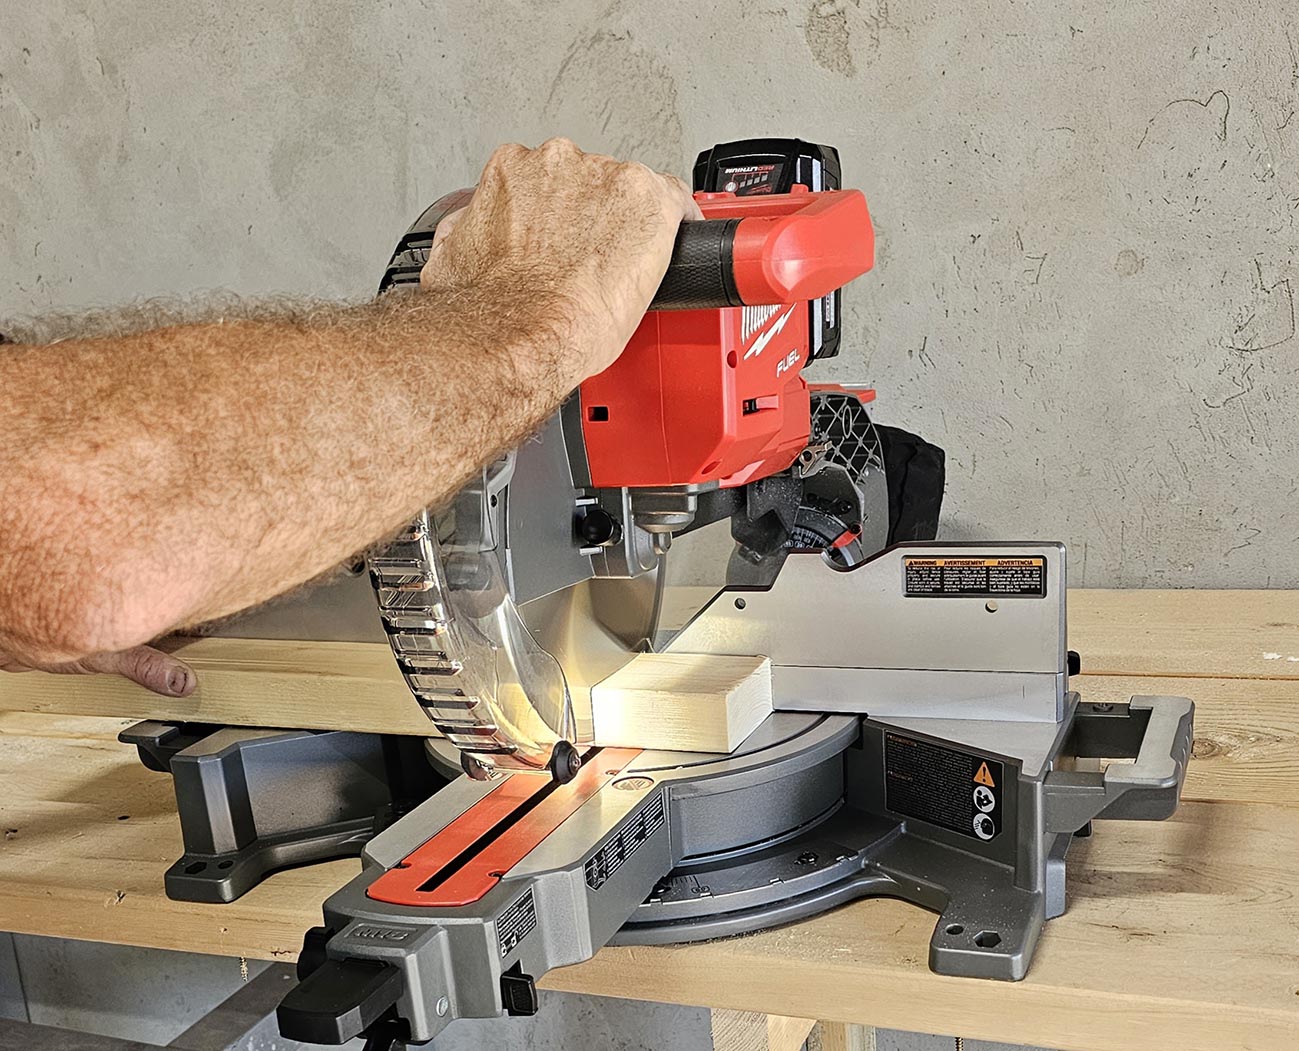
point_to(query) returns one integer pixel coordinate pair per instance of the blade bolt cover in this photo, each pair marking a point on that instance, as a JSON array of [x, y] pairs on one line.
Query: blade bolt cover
[[599, 528]]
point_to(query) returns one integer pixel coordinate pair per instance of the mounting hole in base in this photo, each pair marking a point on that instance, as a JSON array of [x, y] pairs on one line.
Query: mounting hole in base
[[987, 939], [225, 864], [954, 928], [194, 868]]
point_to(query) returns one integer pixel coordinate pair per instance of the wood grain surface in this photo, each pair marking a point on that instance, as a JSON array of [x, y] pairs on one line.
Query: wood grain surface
[[682, 702]]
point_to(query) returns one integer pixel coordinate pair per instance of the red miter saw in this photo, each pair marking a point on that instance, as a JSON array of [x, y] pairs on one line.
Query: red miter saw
[[924, 740]]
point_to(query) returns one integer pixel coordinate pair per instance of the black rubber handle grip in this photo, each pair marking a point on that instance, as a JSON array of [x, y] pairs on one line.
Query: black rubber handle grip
[[701, 273]]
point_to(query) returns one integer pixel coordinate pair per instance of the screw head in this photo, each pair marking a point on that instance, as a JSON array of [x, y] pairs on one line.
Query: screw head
[[633, 784]]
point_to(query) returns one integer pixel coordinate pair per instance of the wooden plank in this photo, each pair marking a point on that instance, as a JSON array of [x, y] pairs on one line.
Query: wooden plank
[[246, 682], [256, 682], [1180, 933], [1220, 634], [755, 1031], [1247, 731], [682, 702]]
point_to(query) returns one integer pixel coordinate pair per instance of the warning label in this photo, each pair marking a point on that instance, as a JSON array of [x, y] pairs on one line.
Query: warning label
[[975, 576], [954, 790], [516, 923]]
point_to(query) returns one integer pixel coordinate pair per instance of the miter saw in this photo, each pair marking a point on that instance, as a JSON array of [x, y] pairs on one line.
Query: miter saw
[[925, 743]]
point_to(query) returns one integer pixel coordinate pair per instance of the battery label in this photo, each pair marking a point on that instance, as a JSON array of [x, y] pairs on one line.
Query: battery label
[[974, 576], [952, 789]]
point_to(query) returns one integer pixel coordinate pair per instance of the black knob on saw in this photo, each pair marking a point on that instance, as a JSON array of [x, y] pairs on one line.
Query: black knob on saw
[[565, 762], [339, 1000], [598, 528]]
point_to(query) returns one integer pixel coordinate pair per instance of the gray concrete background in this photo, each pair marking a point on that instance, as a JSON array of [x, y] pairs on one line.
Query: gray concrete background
[[1086, 211]]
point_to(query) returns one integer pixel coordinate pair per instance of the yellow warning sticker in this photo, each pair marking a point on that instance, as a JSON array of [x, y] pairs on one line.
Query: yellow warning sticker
[[984, 776], [974, 576]]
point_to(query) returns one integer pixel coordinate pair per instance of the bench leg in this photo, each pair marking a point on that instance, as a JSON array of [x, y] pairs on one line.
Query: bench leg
[[841, 1036], [754, 1031]]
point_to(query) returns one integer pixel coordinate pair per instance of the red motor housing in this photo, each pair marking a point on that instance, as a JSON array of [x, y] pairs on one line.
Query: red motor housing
[[717, 394]]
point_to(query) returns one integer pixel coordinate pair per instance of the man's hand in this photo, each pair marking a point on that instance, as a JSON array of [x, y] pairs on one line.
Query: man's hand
[[154, 670], [587, 236]]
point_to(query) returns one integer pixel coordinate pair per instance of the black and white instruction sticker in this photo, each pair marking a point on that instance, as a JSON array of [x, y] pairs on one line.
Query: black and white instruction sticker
[[955, 790]]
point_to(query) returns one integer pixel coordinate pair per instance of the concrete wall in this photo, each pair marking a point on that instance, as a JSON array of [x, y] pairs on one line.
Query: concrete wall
[[1086, 211]]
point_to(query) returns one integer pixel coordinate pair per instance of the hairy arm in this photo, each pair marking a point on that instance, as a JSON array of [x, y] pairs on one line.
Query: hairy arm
[[180, 474]]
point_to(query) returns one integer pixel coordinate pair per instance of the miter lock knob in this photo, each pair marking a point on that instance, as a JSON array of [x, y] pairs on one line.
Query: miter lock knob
[[598, 528]]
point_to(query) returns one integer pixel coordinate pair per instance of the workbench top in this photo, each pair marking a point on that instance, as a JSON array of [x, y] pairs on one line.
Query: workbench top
[[1181, 934]]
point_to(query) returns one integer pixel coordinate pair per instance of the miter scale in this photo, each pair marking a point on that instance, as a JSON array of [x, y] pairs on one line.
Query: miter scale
[[926, 744]]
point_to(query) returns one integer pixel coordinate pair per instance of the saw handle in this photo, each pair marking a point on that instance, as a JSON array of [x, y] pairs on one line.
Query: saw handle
[[747, 251], [767, 250], [701, 272]]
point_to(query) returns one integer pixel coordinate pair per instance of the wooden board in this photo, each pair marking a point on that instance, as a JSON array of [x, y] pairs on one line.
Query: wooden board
[[257, 682], [682, 702], [1221, 634], [246, 682]]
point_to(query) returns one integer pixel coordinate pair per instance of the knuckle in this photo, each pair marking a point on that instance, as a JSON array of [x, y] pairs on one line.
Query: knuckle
[[505, 155]]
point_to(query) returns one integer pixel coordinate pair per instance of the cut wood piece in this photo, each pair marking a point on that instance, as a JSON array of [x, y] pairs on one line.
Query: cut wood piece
[[682, 702]]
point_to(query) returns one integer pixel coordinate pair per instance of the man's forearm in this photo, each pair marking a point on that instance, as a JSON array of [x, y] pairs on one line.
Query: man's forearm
[[185, 473]]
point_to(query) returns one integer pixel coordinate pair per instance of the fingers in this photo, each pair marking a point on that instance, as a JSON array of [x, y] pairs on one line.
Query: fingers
[[678, 189], [446, 225], [154, 670]]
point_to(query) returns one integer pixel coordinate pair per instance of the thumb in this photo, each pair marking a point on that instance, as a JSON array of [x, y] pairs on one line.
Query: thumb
[[151, 668]]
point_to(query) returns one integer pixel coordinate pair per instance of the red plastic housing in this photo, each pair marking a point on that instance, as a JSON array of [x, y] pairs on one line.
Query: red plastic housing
[[703, 395]]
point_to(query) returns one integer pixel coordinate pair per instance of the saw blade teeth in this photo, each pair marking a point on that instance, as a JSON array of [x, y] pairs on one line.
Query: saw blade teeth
[[432, 707], [410, 629], [461, 729], [426, 679], [479, 748], [410, 550], [426, 604]]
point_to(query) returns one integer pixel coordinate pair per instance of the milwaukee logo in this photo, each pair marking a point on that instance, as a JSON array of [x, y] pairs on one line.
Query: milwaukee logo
[[753, 318], [385, 934], [767, 335]]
